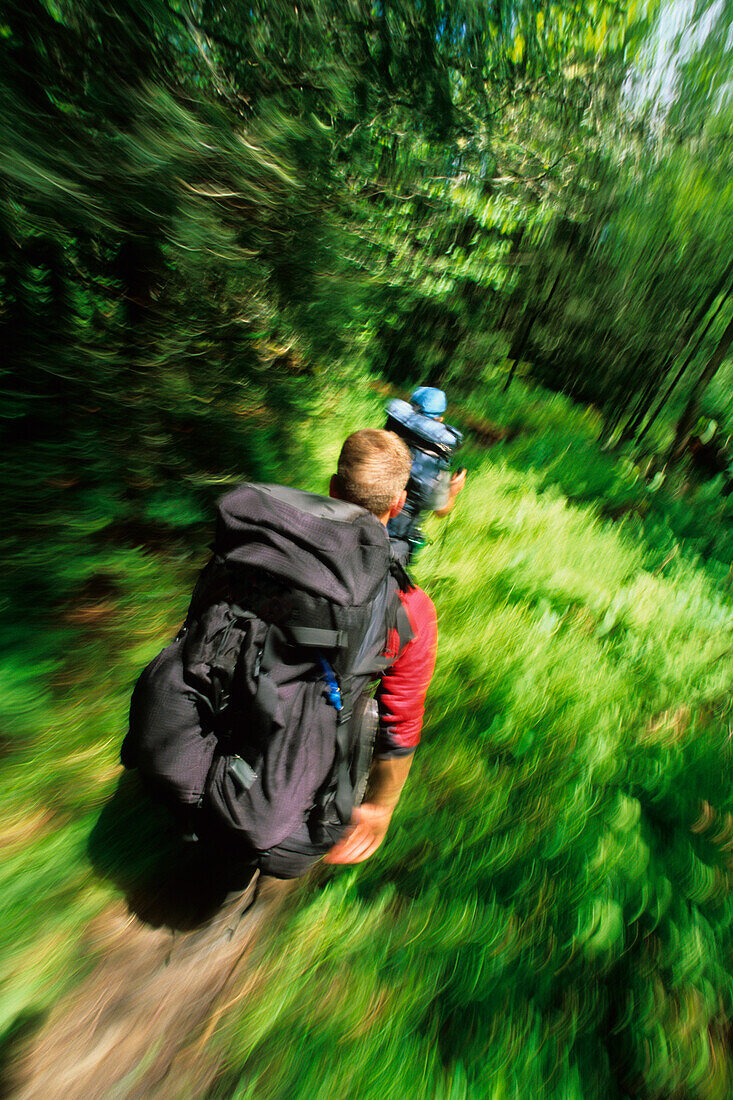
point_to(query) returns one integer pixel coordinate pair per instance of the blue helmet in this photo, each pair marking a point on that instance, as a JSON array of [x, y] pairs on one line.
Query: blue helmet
[[429, 401]]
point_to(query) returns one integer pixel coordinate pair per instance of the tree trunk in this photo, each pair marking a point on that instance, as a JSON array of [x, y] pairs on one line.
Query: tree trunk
[[687, 333], [512, 301], [638, 411], [521, 340], [688, 360], [690, 411]]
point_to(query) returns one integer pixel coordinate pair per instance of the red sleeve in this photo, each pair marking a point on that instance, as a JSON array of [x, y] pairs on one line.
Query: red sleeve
[[404, 685]]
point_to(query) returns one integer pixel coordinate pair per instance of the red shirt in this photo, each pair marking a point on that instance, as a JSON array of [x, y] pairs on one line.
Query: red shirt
[[404, 685]]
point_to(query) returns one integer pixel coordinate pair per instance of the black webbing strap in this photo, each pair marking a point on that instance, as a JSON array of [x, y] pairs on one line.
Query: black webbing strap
[[316, 637], [241, 613], [404, 581], [265, 698], [343, 799]]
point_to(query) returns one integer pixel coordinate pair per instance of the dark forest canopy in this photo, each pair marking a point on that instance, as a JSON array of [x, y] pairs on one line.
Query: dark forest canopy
[[202, 205]]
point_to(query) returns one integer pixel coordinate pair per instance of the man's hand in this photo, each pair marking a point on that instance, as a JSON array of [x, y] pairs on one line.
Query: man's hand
[[457, 481], [370, 821], [369, 824]]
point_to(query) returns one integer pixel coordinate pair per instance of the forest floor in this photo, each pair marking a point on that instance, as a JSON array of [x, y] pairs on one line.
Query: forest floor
[[140, 1024]]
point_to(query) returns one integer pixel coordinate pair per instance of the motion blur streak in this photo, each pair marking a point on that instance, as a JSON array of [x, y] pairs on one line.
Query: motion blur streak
[[227, 233]]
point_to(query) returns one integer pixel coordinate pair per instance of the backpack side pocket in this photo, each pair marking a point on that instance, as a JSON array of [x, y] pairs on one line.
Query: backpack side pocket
[[169, 738]]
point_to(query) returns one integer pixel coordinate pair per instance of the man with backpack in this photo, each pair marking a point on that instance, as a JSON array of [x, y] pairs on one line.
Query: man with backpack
[[431, 486], [258, 722]]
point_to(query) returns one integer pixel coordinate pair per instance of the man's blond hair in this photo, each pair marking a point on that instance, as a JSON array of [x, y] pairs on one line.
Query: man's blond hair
[[373, 469]]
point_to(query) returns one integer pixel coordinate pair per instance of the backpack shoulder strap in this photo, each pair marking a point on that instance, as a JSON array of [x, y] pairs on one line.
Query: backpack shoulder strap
[[400, 574]]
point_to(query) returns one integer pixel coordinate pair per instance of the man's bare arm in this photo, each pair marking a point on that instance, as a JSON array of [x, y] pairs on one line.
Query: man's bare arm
[[370, 821]]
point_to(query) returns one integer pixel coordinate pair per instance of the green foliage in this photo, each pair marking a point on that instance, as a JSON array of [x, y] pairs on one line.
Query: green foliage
[[219, 223], [558, 443], [552, 902]]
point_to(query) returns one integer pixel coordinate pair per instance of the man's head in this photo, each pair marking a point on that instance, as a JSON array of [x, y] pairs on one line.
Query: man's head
[[429, 401], [373, 469]]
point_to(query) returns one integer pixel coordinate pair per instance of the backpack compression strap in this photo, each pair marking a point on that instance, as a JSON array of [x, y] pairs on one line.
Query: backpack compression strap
[[313, 637]]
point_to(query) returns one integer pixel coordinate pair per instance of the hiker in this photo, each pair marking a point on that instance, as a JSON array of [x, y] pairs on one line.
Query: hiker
[[431, 487], [258, 720]]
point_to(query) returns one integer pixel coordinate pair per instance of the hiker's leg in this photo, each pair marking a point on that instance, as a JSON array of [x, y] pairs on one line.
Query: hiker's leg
[[231, 861]]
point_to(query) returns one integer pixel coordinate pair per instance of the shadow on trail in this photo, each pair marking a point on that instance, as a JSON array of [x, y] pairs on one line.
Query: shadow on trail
[[136, 844], [169, 959], [13, 1043]]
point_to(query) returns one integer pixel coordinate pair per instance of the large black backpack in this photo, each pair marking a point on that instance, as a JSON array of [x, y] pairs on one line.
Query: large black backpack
[[255, 709]]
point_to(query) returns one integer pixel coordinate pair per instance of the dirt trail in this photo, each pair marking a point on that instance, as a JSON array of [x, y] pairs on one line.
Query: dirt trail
[[139, 1025]]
